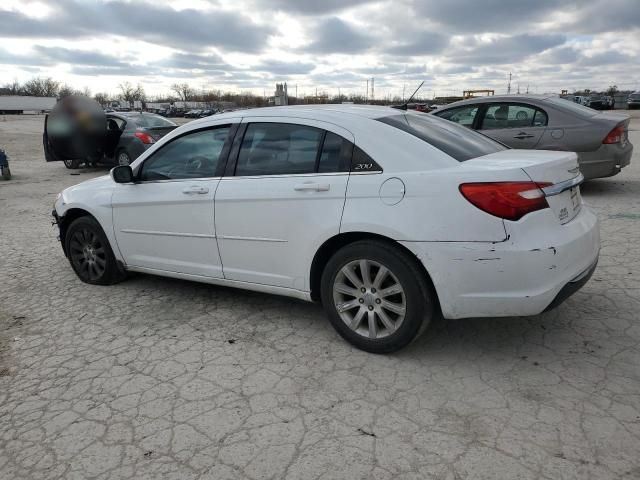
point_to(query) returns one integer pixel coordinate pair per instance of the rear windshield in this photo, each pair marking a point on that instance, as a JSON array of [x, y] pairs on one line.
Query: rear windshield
[[573, 107], [455, 140], [635, 96], [152, 121]]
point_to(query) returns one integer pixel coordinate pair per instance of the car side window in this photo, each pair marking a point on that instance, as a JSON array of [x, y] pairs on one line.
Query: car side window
[[462, 115], [278, 149], [506, 115], [335, 154], [193, 155]]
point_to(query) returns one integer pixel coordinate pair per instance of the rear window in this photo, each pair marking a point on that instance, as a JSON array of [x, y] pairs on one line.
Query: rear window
[[573, 107], [455, 140], [152, 121]]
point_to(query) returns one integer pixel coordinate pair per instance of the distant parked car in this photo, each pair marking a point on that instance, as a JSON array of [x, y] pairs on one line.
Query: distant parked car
[[595, 102], [550, 123], [206, 113], [608, 102], [633, 101], [128, 134], [193, 113]]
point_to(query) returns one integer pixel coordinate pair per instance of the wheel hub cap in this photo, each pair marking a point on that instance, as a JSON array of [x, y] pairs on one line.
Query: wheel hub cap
[[369, 298]]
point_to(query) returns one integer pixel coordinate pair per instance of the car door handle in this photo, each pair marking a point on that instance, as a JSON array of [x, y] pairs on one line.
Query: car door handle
[[523, 135], [312, 187], [195, 190]]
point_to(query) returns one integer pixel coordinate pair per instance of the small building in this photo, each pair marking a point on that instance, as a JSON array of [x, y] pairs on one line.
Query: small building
[[281, 96]]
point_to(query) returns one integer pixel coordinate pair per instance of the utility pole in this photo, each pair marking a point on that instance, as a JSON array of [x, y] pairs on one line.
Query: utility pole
[[509, 85], [373, 95], [366, 95], [403, 87]]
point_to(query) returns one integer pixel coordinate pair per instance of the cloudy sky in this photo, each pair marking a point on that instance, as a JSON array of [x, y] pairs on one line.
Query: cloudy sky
[[452, 45]]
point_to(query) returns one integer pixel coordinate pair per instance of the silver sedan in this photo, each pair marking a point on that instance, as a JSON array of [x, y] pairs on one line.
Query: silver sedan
[[549, 123]]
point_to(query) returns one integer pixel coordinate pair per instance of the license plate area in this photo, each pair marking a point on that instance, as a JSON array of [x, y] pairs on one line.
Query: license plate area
[[567, 204]]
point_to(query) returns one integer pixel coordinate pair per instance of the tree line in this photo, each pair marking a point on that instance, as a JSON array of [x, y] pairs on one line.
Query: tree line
[[48, 87]]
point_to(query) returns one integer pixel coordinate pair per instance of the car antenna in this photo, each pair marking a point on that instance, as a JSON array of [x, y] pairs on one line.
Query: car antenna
[[405, 105]]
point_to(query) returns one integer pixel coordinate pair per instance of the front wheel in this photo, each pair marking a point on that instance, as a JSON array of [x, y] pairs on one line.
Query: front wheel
[[376, 296], [90, 254], [72, 164]]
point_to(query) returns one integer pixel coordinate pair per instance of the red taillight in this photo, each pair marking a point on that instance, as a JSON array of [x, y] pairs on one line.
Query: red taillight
[[615, 136], [508, 200], [144, 137]]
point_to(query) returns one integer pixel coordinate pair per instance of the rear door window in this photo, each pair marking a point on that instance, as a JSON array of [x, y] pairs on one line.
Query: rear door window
[[464, 116], [455, 140], [511, 115], [291, 149], [335, 155]]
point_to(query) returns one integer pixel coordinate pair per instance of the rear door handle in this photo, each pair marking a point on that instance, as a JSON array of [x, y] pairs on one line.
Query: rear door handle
[[312, 187], [195, 190], [523, 135]]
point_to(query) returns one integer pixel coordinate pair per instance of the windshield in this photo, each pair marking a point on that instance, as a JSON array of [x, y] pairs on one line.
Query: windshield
[[635, 96], [455, 140], [573, 107]]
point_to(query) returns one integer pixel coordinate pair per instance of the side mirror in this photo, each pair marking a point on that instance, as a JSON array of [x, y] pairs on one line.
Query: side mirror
[[122, 174]]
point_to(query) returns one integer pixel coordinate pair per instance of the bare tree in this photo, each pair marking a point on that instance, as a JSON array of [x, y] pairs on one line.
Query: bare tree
[[67, 91], [13, 88], [127, 91], [139, 93], [183, 90], [612, 90], [41, 87], [102, 98]]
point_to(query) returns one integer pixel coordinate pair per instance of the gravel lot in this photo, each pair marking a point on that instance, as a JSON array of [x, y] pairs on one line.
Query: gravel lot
[[160, 378]]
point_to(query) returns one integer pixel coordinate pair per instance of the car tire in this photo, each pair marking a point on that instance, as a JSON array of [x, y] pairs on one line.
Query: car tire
[[90, 254], [123, 158], [72, 164], [377, 315]]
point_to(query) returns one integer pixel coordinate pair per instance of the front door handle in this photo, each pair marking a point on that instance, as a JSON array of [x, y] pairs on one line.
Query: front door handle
[[312, 187], [523, 135], [195, 190]]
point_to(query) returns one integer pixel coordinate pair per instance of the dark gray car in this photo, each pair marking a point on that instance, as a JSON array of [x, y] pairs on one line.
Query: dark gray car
[[549, 123], [128, 134]]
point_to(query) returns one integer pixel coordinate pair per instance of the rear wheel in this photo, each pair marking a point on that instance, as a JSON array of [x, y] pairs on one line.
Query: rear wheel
[[123, 158], [376, 297], [72, 164], [90, 254]]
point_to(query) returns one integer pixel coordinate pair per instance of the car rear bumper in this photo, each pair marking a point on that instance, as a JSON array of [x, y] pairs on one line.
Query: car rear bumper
[[606, 161], [538, 267]]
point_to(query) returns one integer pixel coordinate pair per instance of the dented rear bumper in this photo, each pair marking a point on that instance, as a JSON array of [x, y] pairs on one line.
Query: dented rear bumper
[[531, 271]]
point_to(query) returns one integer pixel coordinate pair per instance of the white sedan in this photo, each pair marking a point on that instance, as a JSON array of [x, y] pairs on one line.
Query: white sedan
[[386, 217]]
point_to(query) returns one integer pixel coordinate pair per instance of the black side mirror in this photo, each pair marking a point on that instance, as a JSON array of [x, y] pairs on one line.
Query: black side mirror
[[122, 174]]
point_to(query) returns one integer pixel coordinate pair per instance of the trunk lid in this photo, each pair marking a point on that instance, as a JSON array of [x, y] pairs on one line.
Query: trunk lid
[[557, 173]]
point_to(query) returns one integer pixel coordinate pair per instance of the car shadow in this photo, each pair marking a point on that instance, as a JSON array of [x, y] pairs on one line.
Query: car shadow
[[508, 338]]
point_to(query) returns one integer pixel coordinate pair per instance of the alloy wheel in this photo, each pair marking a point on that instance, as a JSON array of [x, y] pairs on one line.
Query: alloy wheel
[[369, 298], [88, 254]]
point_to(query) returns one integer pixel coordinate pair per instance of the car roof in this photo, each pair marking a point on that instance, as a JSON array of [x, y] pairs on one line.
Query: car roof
[[326, 112], [499, 98]]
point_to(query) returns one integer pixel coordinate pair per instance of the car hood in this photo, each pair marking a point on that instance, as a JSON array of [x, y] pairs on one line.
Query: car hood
[[82, 193]]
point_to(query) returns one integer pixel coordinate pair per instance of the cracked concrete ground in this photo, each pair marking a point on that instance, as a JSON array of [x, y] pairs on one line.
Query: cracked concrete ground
[[165, 379]]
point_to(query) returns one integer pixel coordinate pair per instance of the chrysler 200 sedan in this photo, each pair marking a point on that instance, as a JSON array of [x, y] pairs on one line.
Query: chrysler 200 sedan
[[601, 139], [386, 217]]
